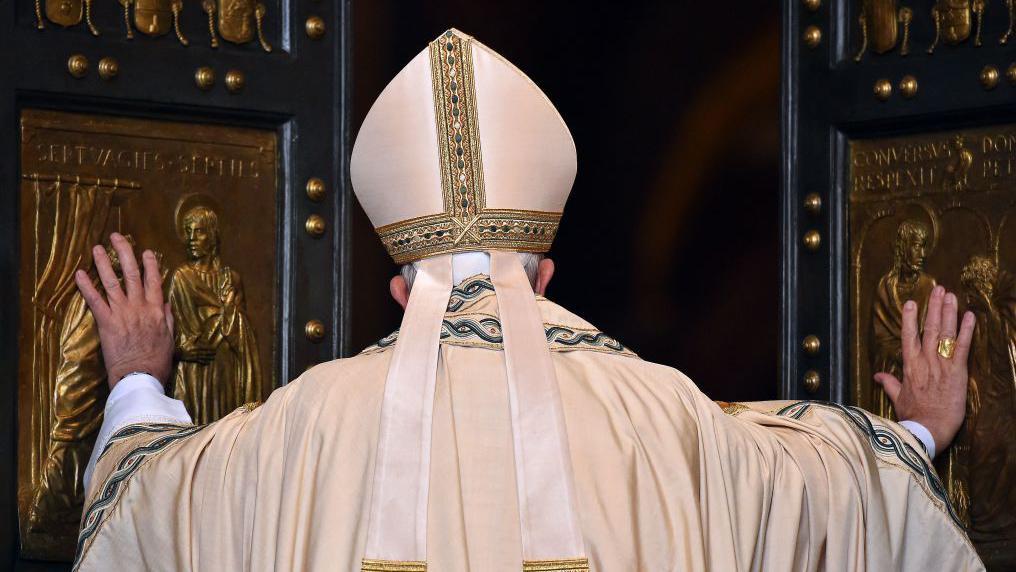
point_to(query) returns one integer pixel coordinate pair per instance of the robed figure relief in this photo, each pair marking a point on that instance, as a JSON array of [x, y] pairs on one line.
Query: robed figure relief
[[905, 280], [218, 367], [988, 460], [79, 396]]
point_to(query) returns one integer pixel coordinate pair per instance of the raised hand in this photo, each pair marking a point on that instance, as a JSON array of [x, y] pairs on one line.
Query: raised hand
[[136, 326], [934, 387]]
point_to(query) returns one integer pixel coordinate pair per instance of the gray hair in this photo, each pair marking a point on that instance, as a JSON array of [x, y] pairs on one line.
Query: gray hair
[[530, 263]]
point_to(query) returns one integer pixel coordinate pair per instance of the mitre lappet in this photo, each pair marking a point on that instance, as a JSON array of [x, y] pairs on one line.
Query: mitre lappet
[[463, 153]]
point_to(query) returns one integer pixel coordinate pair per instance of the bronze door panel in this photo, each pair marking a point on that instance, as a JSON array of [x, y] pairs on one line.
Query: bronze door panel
[[940, 208], [203, 197], [899, 174]]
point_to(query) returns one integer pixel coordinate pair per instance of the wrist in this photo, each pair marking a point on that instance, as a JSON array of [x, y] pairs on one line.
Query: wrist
[[115, 375], [942, 431], [922, 434]]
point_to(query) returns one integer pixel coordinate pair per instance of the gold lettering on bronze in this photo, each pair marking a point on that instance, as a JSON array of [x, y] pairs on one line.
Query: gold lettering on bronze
[[940, 208], [150, 160], [83, 177]]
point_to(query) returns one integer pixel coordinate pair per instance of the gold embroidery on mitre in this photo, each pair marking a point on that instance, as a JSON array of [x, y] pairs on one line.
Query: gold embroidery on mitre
[[451, 65], [466, 224], [496, 229], [369, 565], [566, 565]]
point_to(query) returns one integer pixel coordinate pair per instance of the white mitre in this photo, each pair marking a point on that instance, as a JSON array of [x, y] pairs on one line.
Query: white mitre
[[463, 153]]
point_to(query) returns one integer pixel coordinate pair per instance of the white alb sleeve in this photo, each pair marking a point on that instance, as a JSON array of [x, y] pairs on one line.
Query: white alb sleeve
[[922, 434], [137, 398]]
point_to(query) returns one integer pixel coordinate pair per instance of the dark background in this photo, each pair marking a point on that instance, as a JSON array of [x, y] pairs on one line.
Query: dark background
[[670, 240]]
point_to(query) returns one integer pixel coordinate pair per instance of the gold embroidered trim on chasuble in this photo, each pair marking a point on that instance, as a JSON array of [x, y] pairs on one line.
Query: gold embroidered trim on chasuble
[[466, 224], [567, 565], [369, 565], [732, 408]]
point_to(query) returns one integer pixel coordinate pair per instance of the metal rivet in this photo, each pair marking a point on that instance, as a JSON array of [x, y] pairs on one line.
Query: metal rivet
[[811, 5], [883, 89], [315, 27], [989, 77], [908, 86], [204, 77], [1010, 73], [812, 240], [812, 36], [811, 345], [314, 330], [812, 381], [813, 203], [315, 225], [234, 81], [108, 68], [315, 189], [77, 65]]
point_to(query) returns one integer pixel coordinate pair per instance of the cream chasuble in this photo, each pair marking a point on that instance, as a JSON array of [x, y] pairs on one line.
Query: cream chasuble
[[665, 479], [496, 431]]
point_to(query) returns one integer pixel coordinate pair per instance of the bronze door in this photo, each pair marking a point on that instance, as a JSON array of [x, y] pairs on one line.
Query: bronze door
[[899, 146], [212, 132]]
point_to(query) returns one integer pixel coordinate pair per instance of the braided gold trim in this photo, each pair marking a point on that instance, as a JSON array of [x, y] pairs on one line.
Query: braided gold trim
[[451, 64], [493, 229], [567, 565], [369, 565]]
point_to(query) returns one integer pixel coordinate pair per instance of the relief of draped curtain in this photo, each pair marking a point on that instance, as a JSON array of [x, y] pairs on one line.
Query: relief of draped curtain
[[79, 215]]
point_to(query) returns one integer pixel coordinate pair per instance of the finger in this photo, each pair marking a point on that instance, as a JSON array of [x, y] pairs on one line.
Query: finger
[[909, 340], [92, 297], [169, 317], [933, 322], [950, 307], [890, 384], [153, 280], [110, 283], [128, 266], [964, 337]]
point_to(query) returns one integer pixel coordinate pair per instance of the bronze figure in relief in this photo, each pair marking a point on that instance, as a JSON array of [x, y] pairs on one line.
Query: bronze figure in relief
[[905, 280], [987, 453], [880, 22], [218, 368], [78, 400]]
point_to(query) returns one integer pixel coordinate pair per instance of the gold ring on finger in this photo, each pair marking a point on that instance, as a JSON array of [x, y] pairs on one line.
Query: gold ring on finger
[[946, 347]]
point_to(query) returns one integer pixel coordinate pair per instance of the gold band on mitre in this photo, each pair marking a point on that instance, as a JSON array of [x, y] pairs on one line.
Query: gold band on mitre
[[491, 229], [466, 223]]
